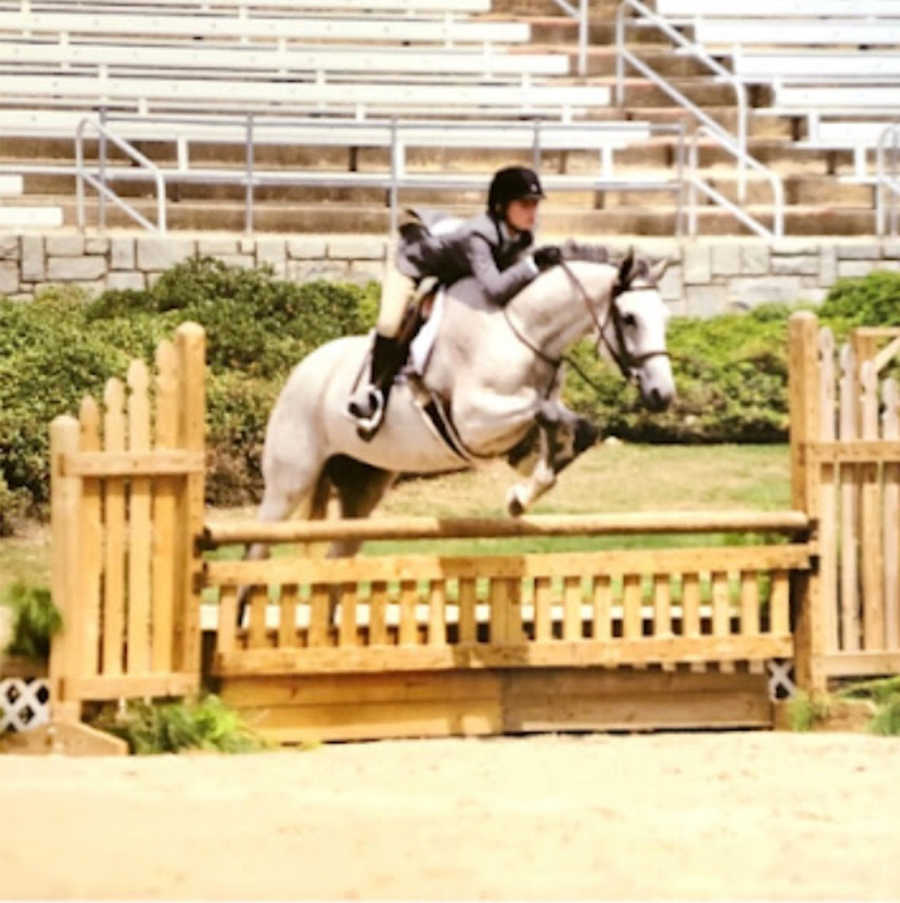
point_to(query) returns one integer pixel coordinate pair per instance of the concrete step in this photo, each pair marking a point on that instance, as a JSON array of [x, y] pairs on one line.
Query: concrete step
[[10, 186], [517, 8], [355, 218], [37, 216], [726, 116], [560, 29]]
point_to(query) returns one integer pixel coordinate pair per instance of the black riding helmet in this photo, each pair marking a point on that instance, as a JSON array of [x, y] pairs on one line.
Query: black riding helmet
[[514, 183]]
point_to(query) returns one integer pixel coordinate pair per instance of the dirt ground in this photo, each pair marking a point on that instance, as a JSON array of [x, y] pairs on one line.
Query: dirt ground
[[735, 815]]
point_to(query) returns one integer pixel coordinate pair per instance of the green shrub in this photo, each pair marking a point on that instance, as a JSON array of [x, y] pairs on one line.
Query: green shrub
[[730, 373], [35, 620], [172, 727], [61, 347], [871, 301]]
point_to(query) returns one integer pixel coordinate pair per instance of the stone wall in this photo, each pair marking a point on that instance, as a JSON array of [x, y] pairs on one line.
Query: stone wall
[[709, 276]]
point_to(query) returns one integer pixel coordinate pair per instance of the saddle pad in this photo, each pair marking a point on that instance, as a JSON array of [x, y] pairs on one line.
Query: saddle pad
[[420, 349]]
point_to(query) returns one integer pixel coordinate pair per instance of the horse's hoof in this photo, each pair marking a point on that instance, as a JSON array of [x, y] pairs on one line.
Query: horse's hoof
[[514, 506]]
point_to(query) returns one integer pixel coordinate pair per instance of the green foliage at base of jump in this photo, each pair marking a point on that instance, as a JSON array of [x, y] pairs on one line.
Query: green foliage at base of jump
[[731, 371], [171, 727], [34, 620]]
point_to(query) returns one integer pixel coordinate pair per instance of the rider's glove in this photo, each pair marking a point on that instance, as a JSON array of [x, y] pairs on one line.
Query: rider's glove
[[547, 256]]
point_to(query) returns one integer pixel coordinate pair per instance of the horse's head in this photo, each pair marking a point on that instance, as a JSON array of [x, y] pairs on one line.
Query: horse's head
[[634, 330]]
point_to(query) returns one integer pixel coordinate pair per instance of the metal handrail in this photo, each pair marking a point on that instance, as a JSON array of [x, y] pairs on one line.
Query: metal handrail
[[252, 126], [82, 176], [696, 183], [581, 14], [887, 184], [623, 55]]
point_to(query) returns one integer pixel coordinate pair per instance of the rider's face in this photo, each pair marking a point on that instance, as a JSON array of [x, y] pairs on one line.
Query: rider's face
[[522, 213]]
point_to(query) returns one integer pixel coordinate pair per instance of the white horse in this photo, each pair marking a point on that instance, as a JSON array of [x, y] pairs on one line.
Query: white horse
[[494, 373]]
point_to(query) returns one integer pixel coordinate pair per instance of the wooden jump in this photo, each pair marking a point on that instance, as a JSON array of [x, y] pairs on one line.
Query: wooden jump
[[424, 644]]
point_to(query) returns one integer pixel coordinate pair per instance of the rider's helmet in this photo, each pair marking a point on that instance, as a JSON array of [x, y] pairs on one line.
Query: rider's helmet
[[514, 183]]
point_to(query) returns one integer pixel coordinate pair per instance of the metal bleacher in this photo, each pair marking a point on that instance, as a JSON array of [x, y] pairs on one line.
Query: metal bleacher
[[830, 68], [350, 100]]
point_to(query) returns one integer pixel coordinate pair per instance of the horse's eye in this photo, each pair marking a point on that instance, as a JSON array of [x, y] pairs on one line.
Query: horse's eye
[[629, 320]]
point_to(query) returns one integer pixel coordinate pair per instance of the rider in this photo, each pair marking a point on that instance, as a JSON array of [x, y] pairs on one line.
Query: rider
[[492, 246]]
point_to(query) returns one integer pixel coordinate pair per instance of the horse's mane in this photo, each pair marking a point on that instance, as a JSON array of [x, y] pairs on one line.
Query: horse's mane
[[597, 253]]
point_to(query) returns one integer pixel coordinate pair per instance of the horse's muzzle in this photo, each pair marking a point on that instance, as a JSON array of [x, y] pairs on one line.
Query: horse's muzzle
[[656, 401]]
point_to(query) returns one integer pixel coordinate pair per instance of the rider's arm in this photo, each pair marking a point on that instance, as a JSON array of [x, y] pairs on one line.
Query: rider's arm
[[498, 286]]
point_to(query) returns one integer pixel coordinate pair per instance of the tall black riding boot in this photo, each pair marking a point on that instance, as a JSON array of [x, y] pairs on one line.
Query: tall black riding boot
[[368, 403]]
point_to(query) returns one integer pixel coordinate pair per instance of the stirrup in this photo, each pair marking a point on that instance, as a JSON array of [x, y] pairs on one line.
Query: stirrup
[[366, 427]]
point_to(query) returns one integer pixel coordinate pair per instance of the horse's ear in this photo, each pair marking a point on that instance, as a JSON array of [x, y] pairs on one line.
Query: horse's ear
[[658, 270], [626, 267]]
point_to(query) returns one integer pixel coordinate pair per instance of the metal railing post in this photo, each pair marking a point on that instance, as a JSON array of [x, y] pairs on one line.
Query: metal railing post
[[536, 146], [582, 37], [79, 175], [620, 55], [102, 155], [395, 150], [248, 198]]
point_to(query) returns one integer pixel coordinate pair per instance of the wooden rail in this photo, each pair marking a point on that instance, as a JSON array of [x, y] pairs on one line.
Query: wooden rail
[[215, 534]]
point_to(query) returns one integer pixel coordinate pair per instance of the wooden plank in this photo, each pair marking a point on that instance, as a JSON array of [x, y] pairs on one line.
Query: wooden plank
[[721, 607], [409, 597], [287, 616], [609, 700], [515, 631], [190, 344], [779, 604], [891, 513], [65, 504], [827, 480], [803, 401], [139, 525], [857, 664], [160, 462], [114, 564], [226, 634], [690, 605], [632, 626], [258, 599], [571, 608], [662, 610], [347, 624], [749, 603], [849, 496], [467, 626], [871, 521], [543, 626], [498, 611], [437, 613], [90, 565], [858, 451], [541, 525], [319, 605], [602, 620], [577, 654], [134, 686], [165, 511], [378, 614], [434, 567]]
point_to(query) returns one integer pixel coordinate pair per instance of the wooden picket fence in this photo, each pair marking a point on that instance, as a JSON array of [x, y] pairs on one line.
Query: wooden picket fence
[[127, 502], [850, 472]]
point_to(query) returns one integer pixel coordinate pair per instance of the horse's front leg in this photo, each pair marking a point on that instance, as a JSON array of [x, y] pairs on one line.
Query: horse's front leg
[[561, 437]]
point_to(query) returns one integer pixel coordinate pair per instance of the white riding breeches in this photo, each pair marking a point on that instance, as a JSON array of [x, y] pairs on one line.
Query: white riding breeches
[[397, 291]]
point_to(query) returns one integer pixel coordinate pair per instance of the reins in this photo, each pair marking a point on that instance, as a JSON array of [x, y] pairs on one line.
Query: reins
[[625, 361]]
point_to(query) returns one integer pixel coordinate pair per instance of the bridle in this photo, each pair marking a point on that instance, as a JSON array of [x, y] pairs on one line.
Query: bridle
[[627, 362]]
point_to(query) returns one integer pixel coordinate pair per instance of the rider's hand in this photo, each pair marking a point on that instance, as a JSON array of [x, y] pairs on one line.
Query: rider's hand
[[547, 256]]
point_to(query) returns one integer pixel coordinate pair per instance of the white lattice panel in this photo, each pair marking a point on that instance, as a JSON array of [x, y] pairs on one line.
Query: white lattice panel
[[24, 703]]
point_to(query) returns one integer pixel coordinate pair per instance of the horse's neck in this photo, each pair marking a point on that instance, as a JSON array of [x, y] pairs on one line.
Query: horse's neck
[[556, 311]]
